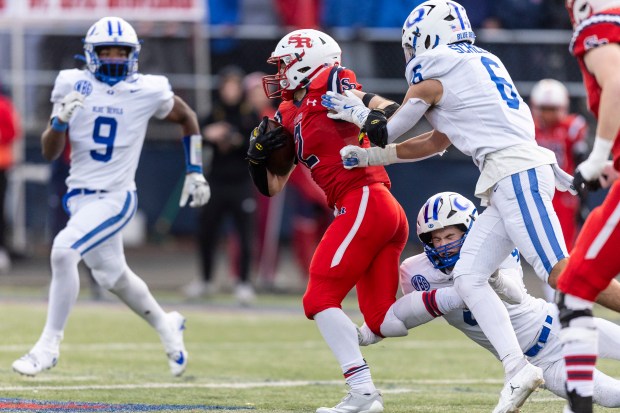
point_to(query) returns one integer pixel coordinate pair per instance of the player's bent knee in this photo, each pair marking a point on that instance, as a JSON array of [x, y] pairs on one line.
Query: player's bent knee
[[392, 326], [63, 258], [107, 275]]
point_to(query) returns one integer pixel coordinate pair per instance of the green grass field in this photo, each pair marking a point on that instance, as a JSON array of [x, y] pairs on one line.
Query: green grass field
[[269, 358]]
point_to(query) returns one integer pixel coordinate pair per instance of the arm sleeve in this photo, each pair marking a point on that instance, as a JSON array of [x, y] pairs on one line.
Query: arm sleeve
[[62, 87]]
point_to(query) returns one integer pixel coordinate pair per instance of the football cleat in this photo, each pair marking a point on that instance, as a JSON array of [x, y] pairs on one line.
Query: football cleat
[[357, 403], [35, 362], [519, 388], [244, 293], [172, 339]]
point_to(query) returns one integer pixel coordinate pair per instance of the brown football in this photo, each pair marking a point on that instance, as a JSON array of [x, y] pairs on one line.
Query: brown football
[[280, 161]]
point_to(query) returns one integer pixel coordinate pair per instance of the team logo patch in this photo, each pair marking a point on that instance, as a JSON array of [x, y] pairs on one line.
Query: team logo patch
[[420, 283], [41, 406], [84, 87], [593, 41]]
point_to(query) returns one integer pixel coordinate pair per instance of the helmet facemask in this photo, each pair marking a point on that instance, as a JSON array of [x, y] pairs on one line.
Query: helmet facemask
[[111, 32]]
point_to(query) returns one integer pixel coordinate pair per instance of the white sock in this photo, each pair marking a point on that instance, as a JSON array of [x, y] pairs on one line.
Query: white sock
[[579, 348], [134, 292], [340, 334], [64, 290]]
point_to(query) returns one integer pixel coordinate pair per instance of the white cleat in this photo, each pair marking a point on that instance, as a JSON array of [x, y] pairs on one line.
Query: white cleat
[[35, 362], [172, 339], [366, 337], [357, 403], [519, 388]]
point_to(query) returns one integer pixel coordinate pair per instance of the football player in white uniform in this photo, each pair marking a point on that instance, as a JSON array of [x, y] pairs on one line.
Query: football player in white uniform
[[468, 97], [104, 110], [426, 280]]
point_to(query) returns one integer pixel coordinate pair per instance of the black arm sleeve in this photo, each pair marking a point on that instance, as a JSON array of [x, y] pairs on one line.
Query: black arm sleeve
[[258, 172], [390, 110]]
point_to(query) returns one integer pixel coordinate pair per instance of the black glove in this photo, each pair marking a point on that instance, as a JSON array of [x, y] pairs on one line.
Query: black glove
[[262, 143], [376, 127], [582, 186]]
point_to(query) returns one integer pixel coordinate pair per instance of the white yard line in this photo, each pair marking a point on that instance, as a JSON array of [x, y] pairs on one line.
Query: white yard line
[[240, 385]]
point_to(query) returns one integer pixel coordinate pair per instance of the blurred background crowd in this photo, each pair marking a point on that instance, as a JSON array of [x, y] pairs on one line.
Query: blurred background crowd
[[215, 60]]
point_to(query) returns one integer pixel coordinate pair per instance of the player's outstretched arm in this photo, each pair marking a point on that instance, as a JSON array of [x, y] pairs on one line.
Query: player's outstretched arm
[[195, 184], [602, 62]]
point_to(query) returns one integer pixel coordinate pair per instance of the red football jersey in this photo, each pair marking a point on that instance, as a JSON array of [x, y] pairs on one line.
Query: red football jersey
[[599, 29], [562, 137], [318, 139]]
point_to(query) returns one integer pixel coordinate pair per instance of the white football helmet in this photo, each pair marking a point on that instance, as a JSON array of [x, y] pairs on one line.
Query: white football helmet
[[440, 211], [111, 31], [300, 56], [579, 10], [549, 93], [432, 23]]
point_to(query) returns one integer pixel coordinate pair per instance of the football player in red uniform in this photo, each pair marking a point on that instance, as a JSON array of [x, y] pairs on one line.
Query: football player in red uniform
[[594, 260], [361, 248], [564, 133]]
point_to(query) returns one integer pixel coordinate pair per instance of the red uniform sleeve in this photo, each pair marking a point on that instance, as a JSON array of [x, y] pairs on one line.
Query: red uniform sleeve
[[8, 127]]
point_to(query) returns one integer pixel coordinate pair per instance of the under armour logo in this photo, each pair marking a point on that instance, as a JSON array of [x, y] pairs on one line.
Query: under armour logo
[[311, 102], [512, 388]]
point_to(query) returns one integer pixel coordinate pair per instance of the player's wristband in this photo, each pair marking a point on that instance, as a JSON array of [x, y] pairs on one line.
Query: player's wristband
[[367, 98], [59, 126], [192, 147]]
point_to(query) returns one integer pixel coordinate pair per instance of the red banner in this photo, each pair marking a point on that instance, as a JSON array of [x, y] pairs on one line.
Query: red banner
[[151, 10]]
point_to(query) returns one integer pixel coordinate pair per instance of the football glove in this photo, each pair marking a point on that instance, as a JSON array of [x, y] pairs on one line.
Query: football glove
[[376, 127], [346, 106], [69, 105], [196, 186], [262, 143]]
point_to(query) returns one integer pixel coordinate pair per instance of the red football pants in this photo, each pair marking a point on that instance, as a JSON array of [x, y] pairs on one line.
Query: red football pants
[[361, 248], [595, 259]]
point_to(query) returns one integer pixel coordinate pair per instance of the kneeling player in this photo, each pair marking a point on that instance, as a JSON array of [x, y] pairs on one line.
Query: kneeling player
[[442, 225]]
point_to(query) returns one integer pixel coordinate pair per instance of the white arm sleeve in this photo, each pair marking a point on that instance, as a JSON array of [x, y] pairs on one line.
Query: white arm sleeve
[[406, 117]]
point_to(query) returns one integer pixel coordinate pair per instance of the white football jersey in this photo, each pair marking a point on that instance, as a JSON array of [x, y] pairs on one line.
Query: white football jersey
[[480, 111], [107, 134], [417, 273]]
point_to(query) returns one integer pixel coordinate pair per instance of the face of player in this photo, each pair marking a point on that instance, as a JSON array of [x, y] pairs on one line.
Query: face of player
[[445, 236], [549, 115], [113, 53]]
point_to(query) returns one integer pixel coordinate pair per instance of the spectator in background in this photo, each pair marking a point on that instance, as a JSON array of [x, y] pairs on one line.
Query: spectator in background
[[10, 130], [226, 131], [565, 135]]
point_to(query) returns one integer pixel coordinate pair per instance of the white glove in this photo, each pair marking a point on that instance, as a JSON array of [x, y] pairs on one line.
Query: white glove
[[69, 105], [195, 185], [563, 180], [506, 287], [354, 157], [347, 107], [592, 167]]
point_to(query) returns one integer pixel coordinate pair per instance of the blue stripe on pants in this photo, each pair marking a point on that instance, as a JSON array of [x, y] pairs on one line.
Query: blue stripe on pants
[[529, 224], [544, 216]]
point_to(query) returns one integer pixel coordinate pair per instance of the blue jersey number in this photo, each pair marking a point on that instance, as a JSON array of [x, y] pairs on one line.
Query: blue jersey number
[[104, 133], [502, 84]]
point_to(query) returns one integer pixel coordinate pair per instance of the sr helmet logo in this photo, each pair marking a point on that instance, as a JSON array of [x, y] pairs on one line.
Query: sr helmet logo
[[299, 41]]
